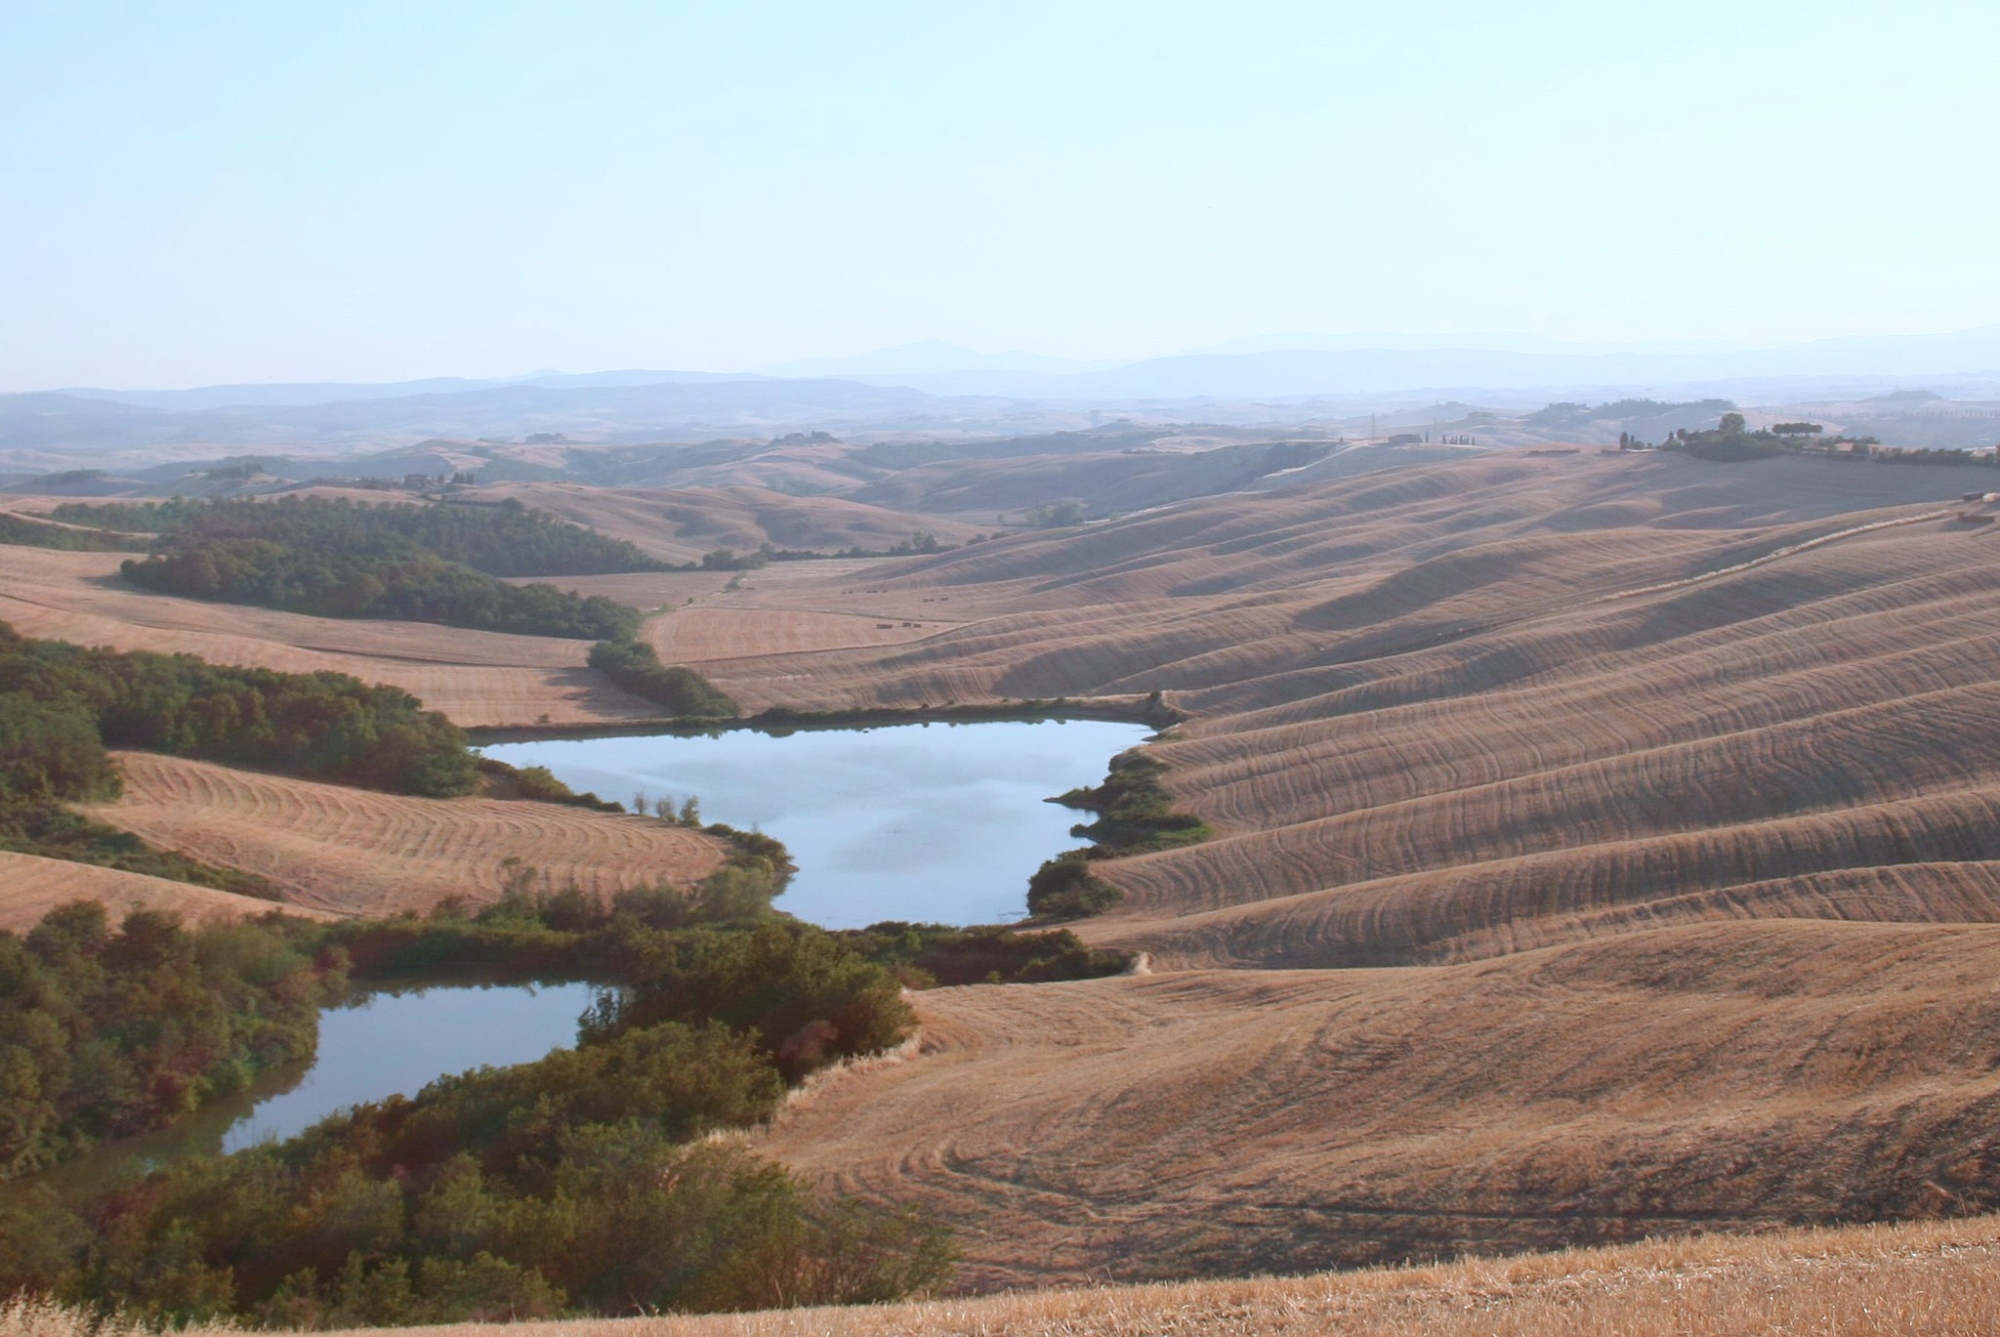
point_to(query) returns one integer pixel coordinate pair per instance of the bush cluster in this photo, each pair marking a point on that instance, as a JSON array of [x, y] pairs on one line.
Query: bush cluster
[[66, 703], [110, 1033], [60, 706], [930, 955], [635, 666], [333, 558], [1135, 816]]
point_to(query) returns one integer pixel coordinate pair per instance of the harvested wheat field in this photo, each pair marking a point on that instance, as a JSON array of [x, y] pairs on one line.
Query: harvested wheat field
[[1934, 1278], [681, 524], [1702, 1077], [30, 887], [1606, 845], [357, 852], [476, 677]]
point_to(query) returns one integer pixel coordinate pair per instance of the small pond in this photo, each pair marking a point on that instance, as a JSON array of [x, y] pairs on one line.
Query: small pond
[[388, 1044], [936, 823], [395, 1044]]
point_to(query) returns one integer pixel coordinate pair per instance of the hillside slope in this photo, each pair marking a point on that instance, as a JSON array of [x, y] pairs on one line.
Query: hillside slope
[[357, 852], [1479, 707], [31, 886], [1704, 1077]]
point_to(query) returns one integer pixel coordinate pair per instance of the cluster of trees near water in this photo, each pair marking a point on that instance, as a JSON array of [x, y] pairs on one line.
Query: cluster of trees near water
[[635, 666], [1136, 815], [62, 706], [333, 558], [109, 1033], [584, 1182]]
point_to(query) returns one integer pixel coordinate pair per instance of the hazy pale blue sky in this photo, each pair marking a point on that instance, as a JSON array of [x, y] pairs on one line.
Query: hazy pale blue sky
[[194, 192]]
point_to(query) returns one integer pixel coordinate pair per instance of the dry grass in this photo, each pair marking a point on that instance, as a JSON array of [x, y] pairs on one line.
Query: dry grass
[[353, 851], [680, 524], [1938, 1278], [704, 635], [1700, 1077], [30, 887]]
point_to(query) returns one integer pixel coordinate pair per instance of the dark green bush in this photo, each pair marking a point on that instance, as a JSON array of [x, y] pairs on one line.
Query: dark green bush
[[109, 1033], [927, 955], [1065, 888], [635, 666]]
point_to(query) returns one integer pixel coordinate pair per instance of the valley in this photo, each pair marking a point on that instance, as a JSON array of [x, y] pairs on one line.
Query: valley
[[1604, 844]]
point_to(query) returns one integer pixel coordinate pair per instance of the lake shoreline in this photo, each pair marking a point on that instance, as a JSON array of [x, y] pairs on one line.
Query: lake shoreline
[[780, 720]]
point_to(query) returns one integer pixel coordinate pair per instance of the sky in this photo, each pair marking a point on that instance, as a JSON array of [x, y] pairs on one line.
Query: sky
[[194, 193]]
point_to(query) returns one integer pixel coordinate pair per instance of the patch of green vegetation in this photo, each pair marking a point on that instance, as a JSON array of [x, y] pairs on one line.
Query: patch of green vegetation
[[928, 956], [1135, 810], [1135, 816], [60, 706], [323, 726], [26, 533], [636, 667], [1065, 888], [540, 785], [331, 558], [506, 539], [583, 1183], [111, 1033]]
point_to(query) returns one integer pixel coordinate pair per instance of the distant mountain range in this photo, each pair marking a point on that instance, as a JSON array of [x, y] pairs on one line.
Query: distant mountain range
[[933, 386]]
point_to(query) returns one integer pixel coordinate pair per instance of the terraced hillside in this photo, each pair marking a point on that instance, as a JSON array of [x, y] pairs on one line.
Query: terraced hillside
[[355, 851]]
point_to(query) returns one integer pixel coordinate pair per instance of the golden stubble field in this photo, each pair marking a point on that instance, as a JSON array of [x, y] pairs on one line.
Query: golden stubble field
[[357, 852], [1934, 1279], [30, 887]]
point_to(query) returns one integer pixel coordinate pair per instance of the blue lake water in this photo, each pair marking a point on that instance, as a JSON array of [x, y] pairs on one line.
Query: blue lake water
[[937, 823], [395, 1044]]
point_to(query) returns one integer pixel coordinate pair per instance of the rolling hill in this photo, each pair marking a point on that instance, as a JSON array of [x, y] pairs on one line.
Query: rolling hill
[[1606, 845], [358, 852]]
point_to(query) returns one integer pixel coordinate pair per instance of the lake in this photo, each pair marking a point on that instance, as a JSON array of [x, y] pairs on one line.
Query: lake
[[935, 823]]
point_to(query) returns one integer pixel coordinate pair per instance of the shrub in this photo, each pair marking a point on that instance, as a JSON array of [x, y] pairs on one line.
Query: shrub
[[635, 666]]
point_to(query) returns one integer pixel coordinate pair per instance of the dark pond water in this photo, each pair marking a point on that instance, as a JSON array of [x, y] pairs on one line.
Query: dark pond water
[[939, 823]]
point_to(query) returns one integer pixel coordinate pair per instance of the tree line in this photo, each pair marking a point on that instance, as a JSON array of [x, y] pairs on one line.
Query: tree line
[[62, 707], [334, 558], [503, 539], [635, 666]]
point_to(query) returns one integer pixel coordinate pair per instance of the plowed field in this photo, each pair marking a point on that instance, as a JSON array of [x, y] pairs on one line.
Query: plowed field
[[352, 851]]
